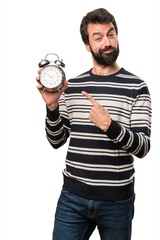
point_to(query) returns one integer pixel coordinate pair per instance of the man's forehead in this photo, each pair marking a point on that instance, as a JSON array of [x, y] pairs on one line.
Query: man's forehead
[[94, 28]]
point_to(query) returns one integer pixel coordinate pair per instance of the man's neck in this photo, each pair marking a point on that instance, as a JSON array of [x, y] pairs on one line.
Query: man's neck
[[105, 70]]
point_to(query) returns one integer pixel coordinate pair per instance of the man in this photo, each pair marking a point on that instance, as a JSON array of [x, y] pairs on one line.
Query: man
[[106, 112]]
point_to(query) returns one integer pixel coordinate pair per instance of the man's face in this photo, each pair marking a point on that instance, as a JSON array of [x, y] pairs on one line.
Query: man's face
[[103, 43]]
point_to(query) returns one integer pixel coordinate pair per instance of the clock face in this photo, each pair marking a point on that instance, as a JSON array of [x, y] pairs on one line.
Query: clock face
[[51, 77]]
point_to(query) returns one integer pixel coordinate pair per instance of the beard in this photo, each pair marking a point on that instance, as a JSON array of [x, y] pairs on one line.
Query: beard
[[105, 59]]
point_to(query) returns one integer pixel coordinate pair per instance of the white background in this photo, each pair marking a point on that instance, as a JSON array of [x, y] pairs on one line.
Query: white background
[[30, 169]]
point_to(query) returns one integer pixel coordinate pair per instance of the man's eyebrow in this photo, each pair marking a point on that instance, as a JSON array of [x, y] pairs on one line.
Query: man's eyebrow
[[96, 33], [99, 33], [111, 29]]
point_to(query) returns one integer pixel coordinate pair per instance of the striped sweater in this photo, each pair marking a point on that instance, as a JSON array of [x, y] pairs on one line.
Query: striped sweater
[[100, 165]]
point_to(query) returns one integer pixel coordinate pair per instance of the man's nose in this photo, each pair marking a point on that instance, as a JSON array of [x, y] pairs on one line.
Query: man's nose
[[107, 41]]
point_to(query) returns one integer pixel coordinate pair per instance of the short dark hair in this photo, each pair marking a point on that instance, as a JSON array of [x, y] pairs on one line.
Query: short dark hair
[[99, 15]]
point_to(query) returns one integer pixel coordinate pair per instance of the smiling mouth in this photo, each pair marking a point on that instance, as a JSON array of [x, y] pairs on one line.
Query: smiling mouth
[[107, 50]]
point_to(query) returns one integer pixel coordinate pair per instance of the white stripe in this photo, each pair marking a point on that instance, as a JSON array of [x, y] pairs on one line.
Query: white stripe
[[55, 133], [96, 151], [53, 123], [100, 167], [99, 182], [90, 136], [102, 84]]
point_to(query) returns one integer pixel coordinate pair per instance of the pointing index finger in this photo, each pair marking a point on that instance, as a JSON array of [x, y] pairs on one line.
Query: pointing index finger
[[89, 97]]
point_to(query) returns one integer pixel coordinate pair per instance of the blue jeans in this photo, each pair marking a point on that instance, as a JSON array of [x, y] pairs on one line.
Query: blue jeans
[[76, 218]]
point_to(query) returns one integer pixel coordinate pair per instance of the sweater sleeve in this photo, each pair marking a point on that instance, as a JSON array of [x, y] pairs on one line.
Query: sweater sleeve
[[136, 139], [57, 125]]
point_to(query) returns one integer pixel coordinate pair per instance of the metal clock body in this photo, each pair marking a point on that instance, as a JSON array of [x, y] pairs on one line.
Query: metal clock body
[[52, 75]]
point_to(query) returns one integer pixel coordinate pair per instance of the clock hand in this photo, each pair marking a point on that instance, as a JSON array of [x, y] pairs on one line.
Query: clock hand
[[50, 76]]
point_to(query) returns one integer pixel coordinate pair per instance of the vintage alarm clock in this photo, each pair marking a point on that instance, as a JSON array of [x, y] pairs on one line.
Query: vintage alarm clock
[[52, 75]]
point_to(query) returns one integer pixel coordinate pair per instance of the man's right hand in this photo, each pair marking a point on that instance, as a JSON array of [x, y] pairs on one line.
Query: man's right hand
[[51, 98]]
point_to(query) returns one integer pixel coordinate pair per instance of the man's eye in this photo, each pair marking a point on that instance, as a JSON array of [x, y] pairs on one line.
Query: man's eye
[[98, 39], [111, 35]]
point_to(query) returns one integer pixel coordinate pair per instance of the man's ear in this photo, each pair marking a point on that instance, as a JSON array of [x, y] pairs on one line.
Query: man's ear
[[87, 47]]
